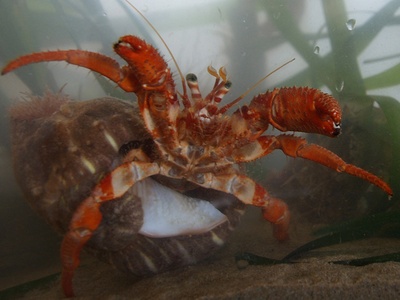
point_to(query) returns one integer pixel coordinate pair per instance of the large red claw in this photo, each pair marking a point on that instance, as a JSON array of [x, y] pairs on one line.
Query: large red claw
[[299, 109]]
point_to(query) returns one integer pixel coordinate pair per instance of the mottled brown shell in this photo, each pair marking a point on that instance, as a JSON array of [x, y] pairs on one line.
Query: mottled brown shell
[[61, 149]]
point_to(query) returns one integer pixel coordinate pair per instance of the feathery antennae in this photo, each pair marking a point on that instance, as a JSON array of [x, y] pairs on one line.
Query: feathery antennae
[[229, 105], [165, 44]]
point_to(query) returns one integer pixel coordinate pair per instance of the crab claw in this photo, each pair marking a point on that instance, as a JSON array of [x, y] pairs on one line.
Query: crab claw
[[299, 109]]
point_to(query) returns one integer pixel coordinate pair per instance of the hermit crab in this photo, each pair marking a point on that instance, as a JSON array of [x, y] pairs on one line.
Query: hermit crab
[[62, 148], [186, 142]]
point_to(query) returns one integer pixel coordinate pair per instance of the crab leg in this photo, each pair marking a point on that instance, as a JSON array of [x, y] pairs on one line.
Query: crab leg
[[97, 62], [87, 217], [298, 147], [249, 192]]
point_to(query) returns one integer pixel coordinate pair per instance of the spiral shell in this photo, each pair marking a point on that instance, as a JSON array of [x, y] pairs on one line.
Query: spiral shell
[[62, 148]]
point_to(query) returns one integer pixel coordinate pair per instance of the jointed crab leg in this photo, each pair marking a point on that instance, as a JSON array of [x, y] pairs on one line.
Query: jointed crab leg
[[97, 62], [298, 147], [87, 217], [249, 192]]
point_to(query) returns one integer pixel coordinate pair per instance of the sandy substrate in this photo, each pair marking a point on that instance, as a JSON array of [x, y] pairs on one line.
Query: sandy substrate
[[313, 277]]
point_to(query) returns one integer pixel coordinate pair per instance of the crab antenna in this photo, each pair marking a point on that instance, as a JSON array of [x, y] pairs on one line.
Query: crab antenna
[[165, 44], [229, 105]]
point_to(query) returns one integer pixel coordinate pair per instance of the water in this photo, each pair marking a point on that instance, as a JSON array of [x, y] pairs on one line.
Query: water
[[201, 34]]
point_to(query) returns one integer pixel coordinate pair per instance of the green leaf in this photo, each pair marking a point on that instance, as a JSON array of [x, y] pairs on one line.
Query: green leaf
[[370, 260], [384, 79], [387, 224]]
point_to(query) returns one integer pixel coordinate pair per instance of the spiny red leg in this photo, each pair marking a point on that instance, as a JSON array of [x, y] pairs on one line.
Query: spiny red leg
[[249, 192], [97, 62], [87, 217], [298, 147]]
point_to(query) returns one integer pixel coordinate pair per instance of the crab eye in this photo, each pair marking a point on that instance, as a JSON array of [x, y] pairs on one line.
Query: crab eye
[[191, 77]]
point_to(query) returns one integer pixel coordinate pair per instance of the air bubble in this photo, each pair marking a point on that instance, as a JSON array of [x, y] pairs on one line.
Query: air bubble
[[350, 24], [339, 86], [316, 50]]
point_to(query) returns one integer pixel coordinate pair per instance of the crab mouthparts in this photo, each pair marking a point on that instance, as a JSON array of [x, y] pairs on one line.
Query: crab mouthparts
[[169, 213]]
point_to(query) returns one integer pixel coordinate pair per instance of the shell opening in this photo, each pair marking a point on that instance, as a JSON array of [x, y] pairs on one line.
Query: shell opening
[[169, 213]]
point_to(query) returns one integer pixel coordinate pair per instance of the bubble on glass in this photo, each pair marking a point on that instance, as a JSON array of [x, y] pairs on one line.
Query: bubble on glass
[[316, 50], [350, 24], [104, 14], [339, 86]]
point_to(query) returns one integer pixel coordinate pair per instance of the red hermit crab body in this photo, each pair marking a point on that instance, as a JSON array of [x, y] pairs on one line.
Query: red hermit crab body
[[196, 140]]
